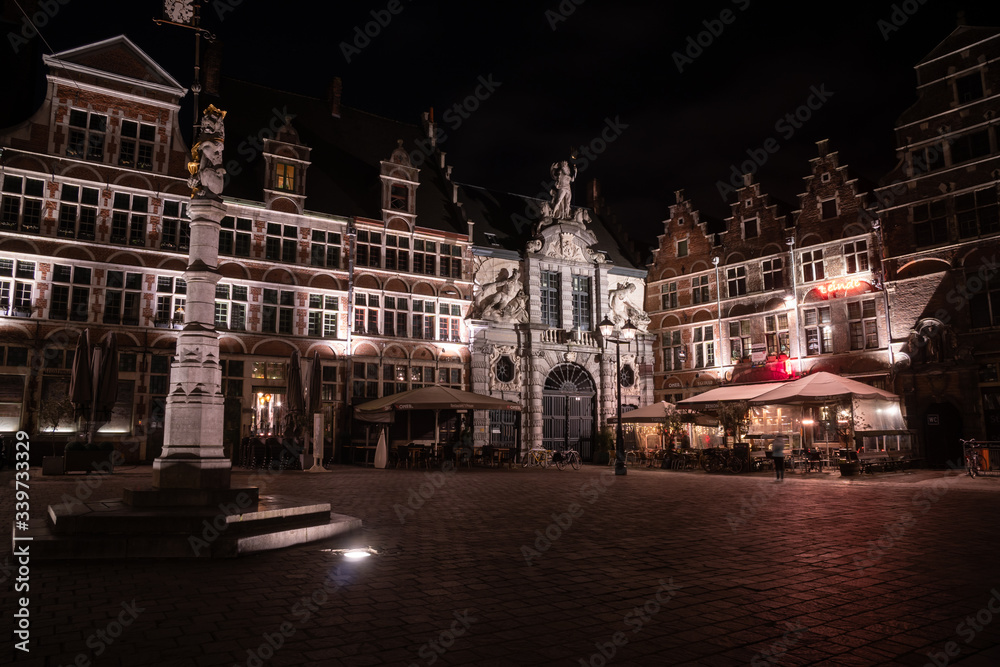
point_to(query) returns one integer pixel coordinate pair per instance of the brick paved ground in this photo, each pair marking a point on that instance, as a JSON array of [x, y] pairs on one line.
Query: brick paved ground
[[746, 570]]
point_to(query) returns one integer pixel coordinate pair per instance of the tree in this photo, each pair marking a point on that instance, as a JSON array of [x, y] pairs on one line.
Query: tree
[[734, 417], [54, 411]]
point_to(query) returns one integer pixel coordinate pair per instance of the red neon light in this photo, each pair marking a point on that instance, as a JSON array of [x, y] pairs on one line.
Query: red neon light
[[840, 286]]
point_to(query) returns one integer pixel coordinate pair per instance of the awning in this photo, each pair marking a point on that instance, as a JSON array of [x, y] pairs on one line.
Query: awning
[[736, 392], [657, 412], [820, 387], [433, 397]]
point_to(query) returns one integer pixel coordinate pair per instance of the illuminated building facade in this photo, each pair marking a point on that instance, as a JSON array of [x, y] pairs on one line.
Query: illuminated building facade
[[771, 296], [344, 235], [941, 221], [317, 253]]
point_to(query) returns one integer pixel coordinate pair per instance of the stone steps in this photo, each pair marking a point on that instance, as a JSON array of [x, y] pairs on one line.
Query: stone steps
[[113, 529]]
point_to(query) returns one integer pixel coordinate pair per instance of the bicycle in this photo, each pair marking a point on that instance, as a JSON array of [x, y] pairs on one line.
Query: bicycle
[[570, 456], [975, 462], [535, 457], [720, 459]]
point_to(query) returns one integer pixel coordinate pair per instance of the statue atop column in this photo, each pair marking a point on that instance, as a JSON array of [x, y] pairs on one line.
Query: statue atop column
[[563, 176], [207, 174]]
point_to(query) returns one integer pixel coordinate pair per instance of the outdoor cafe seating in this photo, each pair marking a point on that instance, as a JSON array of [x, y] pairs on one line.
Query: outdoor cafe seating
[[426, 455], [411, 455], [269, 453]]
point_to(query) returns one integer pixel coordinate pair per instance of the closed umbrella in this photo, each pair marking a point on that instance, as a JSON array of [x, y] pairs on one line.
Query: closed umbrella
[[105, 370], [81, 381], [314, 396], [294, 401], [314, 406]]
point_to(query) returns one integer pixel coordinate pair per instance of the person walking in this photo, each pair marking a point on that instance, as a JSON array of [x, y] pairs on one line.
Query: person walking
[[778, 456]]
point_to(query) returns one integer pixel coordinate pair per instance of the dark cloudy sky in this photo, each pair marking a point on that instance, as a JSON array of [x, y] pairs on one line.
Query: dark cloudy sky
[[562, 74]]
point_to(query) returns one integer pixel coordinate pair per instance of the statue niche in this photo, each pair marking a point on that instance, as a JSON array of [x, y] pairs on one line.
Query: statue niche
[[932, 341]]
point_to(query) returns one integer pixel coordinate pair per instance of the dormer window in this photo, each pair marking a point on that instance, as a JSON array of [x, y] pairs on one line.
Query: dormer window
[[87, 132], [284, 176], [137, 145], [399, 197]]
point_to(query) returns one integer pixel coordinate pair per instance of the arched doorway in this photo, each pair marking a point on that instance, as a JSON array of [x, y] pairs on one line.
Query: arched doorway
[[942, 430], [568, 410]]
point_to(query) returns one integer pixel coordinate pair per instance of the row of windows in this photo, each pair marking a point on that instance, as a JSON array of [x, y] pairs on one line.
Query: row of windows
[[402, 317], [394, 253], [374, 249], [15, 294], [816, 326], [955, 150], [974, 214], [772, 274], [88, 139], [21, 209], [367, 381], [580, 294], [123, 296]]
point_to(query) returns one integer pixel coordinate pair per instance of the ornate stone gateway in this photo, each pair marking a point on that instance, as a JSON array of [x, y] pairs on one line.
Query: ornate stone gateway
[[568, 410]]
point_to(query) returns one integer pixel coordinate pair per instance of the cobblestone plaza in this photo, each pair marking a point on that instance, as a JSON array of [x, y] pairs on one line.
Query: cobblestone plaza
[[522, 567]]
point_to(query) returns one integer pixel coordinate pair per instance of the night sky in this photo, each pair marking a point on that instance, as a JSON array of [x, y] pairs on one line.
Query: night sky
[[560, 70]]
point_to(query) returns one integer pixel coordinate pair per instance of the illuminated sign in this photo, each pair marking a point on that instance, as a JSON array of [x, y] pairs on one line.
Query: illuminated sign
[[840, 286]]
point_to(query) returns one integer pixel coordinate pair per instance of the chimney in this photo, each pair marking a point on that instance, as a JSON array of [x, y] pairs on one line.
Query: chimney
[[212, 67], [333, 96], [594, 194]]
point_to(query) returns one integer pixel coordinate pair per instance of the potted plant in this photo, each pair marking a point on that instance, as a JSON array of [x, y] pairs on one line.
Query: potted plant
[[52, 412], [735, 418], [848, 468]]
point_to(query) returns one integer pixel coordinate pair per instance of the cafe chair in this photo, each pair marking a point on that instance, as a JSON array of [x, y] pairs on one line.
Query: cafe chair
[[403, 456], [258, 454], [419, 455]]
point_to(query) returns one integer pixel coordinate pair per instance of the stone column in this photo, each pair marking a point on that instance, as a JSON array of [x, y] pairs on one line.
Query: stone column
[[193, 456]]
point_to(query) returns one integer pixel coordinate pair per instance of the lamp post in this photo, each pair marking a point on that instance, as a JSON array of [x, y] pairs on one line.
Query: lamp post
[[790, 241], [624, 335]]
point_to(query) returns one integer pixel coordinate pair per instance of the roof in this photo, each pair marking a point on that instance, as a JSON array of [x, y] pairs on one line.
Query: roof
[[117, 58], [736, 392], [343, 177], [960, 38]]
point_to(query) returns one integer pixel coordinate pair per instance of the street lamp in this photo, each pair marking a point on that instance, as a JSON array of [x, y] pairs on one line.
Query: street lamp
[[625, 335]]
